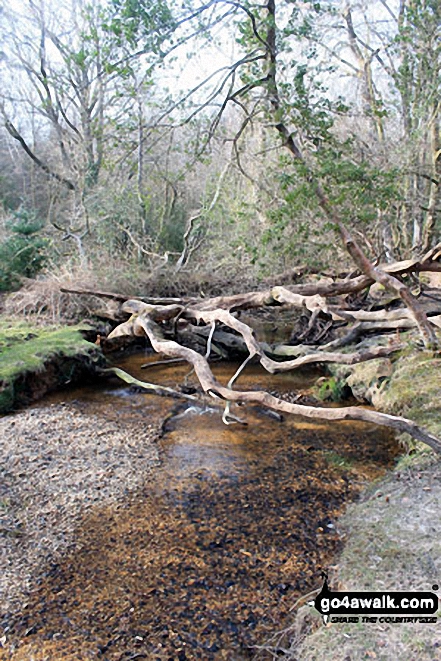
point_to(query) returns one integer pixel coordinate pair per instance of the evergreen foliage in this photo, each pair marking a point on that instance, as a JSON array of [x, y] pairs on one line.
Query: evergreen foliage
[[25, 251]]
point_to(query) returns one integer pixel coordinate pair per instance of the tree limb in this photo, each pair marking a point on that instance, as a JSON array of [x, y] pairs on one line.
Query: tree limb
[[144, 324], [17, 136], [162, 391]]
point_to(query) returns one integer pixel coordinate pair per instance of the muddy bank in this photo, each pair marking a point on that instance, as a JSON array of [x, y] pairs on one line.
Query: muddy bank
[[58, 372]]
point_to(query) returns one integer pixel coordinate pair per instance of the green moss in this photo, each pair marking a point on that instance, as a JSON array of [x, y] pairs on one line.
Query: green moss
[[414, 391], [407, 384], [415, 384], [27, 349], [332, 390]]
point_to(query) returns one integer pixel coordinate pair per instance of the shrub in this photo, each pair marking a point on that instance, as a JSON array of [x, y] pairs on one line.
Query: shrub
[[24, 252]]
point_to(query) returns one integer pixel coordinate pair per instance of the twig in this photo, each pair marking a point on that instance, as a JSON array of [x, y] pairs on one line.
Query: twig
[[210, 337], [227, 418], [303, 598], [162, 362]]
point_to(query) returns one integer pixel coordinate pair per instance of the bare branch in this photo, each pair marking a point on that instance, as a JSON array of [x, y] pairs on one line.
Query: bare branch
[[144, 324], [190, 248], [43, 166], [386, 6]]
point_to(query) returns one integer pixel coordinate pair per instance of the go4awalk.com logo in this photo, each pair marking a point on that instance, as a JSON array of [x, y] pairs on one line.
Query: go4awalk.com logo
[[376, 606]]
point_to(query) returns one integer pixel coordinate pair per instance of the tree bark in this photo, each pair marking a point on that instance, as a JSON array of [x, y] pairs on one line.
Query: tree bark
[[390, 282], [145, 324], [428, 336]]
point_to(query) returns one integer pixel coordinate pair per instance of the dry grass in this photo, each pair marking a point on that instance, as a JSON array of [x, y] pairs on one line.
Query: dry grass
[[43, 299]]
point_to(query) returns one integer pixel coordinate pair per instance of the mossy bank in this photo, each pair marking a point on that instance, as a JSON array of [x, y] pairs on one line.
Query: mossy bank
[[36, 359], [408, 384]]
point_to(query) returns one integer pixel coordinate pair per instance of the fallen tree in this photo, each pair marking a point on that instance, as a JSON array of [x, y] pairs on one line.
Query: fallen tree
[[324, 299], [146, 319], [192, 329]]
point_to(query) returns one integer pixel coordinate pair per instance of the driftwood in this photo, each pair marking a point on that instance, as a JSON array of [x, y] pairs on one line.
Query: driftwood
[[223, 308], [175, 326], [146, 322], [313, 303]]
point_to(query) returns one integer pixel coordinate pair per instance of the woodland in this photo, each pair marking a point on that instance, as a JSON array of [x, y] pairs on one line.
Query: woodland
[[189, 162]]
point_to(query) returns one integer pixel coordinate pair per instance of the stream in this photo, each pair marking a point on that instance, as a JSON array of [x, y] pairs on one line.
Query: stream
[[207, 559]]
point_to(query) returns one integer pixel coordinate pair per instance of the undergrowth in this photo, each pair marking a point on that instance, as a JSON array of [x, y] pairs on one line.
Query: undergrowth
[[332, 389]]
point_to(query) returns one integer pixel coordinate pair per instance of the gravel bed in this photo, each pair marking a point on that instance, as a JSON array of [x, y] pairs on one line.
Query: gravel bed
[[57, 463]]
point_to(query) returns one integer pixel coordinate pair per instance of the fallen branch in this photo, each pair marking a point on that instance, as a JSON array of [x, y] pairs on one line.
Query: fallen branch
[[342, 358], [308, 296], [390, 282], [120, 297], [253, 346], [210, 385], [169, 361], [152, 388], [363, 327], [272, 366], [163, 391]]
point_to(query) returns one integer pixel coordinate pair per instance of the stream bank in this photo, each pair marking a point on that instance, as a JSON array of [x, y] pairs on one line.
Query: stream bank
[[63, 556], [392, 535], [392, 543], [38, 358]]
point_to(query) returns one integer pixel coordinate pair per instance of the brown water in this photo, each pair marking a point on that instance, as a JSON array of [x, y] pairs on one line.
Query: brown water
[[206, 561]]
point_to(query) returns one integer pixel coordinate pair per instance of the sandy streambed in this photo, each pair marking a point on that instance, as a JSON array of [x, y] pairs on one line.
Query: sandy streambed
[[108, 555], [57, 463]]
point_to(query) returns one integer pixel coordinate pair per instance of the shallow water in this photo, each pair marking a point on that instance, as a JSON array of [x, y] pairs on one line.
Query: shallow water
[[207, 559]]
